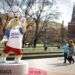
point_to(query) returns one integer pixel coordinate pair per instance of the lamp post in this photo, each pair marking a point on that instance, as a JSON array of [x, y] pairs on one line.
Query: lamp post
[[62, 32]]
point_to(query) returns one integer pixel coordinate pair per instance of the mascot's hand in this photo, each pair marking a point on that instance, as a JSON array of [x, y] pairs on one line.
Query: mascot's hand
[[3, 41]]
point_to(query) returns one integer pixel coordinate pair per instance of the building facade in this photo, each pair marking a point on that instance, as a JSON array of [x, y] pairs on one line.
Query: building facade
[[71, 26]]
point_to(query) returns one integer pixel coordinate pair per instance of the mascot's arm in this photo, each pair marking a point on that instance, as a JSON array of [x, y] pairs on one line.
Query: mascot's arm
[[6, 36]]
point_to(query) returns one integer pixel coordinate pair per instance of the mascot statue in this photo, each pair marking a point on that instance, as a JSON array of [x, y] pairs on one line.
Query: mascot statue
[[13, 37]]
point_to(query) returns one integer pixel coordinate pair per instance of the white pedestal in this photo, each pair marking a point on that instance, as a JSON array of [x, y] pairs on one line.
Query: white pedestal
[[13, 69]]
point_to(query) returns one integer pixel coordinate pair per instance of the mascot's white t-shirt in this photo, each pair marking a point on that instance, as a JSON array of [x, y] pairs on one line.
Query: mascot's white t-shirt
[[15, 38]]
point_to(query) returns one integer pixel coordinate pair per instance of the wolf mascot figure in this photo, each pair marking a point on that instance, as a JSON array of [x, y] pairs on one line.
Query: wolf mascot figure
[[13, 37]]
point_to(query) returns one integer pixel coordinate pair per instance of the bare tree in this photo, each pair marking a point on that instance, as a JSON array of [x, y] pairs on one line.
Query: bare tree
[[36, 10], [10, 2], [37, 16]]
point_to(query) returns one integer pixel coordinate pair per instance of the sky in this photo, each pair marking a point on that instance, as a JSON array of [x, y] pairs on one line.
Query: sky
[[66, 8]]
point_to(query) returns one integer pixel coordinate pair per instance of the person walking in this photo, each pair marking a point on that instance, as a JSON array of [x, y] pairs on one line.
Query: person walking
[[71, 51], [65, 48]]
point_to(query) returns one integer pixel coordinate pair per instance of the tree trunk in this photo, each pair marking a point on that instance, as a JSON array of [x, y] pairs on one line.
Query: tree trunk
[[36, 34]]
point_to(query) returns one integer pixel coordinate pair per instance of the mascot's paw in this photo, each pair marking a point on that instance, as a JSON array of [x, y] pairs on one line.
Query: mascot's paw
[[3, 41]]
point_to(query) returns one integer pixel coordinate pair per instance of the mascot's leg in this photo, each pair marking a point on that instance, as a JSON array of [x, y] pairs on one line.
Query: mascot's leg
[[18, 55], [3, 55], [18, 58], [3, 58]]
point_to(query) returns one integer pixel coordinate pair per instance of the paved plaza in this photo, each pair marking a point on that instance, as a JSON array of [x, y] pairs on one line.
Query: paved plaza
[[44, 66], [53, 66]]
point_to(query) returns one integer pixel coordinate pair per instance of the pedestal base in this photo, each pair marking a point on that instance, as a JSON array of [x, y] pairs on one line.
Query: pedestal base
[[13, 69]]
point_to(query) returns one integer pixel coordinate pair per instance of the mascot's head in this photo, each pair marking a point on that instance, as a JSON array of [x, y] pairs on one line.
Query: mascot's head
[[13, 23], [17, 19], [15, 13]]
